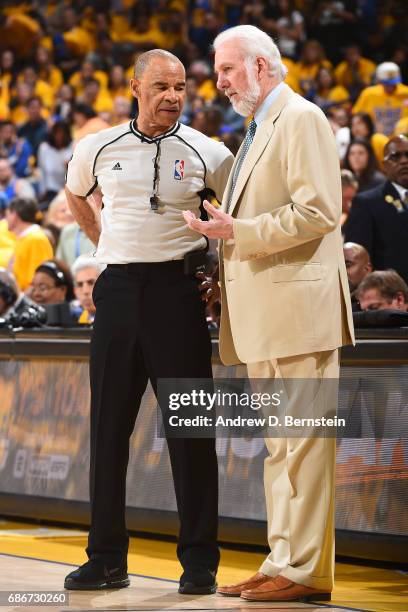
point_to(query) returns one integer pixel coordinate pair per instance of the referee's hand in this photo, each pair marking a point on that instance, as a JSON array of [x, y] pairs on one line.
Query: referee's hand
[[220, 226]]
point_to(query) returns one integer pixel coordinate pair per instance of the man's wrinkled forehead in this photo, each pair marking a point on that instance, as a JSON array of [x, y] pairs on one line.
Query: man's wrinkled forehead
[[164, 71], [228, 53]]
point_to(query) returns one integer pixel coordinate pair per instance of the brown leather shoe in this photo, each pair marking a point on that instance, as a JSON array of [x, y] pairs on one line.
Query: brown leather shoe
[[235, 590], [282, 589]]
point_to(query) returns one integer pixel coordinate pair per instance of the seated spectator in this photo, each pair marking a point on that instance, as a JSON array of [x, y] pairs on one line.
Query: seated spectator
[[201, 72], [8, 69], [7, 242], [32, 245], [358, 265], [86, 121], [118, 84], [18, 104], [361, 160], [11, 186], [35, 128], [361, 128], [326, 93], [47, 71], [386, 102], [121, 111], [12, 301], [85, 272], [312, 58], [17, 150], [383, 290], [53, 157], [378, 218], [349, 188], [72, 243], [41, 89], [208, 121], [63, 103], [79, 79], [51, 284], [78, 41], [59, 213], [355, 72], [95, 97]]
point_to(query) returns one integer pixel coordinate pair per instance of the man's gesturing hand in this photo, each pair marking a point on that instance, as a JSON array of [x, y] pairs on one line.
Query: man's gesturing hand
[[220, 226]]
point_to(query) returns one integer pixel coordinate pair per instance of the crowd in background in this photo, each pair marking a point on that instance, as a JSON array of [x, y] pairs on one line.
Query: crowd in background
[[65, 69]]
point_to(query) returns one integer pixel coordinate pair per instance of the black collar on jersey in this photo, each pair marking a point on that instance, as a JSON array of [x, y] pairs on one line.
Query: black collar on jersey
[[149, 140]]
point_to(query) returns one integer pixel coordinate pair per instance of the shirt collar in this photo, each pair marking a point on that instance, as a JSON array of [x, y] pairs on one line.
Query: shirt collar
[[401, 190], [262, 111], [148, 139]]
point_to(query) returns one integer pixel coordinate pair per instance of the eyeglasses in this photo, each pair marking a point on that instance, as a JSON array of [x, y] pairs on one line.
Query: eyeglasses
[[396, 156]]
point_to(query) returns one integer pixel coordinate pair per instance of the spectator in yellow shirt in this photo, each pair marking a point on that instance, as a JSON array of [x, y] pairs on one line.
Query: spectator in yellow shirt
[[40, 88], [312, 58], [201, 72], [386, 102], [79, 79], [355, 72], [32, 245], [97, 98], [47, 71], [327, 92], [402, 127], [7, 243]]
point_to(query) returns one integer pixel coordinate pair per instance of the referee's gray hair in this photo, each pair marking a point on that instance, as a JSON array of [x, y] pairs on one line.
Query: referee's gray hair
[[144, 60], [254, 43], [85, 261]]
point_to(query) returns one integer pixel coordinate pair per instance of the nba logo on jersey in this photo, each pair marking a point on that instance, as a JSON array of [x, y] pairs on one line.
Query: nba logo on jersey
[[179, 169]]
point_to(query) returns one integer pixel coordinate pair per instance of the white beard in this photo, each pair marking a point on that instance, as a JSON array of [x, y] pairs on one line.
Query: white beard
[[245, 106]]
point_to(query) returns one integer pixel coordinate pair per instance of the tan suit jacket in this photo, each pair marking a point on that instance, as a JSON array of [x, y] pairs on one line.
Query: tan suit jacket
[[283, 279]]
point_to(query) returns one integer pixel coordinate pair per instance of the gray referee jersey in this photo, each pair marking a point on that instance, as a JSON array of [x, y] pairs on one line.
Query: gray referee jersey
[[121, 160]]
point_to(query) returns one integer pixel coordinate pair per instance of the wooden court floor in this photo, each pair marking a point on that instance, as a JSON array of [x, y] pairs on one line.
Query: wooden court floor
[[34, 558]]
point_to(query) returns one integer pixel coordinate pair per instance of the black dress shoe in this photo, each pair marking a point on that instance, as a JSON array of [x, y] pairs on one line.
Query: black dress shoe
[[196, 581], [94, 574]]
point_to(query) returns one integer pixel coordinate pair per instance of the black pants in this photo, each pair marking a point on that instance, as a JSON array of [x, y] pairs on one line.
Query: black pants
[[149, 324]]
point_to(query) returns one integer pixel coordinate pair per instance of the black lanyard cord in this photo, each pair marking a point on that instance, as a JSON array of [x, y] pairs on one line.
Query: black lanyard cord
[[154, 200]]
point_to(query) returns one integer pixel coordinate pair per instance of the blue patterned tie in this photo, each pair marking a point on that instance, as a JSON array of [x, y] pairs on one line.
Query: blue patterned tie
[[245, 148]]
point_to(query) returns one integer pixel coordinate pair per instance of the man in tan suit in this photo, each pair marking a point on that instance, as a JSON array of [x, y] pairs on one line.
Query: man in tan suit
[[285, 299]]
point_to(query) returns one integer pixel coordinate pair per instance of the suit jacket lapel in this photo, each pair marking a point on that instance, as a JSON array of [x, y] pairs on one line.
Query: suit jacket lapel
[[262, 137]]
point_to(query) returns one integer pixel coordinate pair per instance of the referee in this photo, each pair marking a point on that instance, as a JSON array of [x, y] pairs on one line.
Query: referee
[[150, 321]]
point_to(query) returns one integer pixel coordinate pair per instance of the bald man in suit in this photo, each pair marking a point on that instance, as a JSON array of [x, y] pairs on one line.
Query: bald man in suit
[[285, 299]]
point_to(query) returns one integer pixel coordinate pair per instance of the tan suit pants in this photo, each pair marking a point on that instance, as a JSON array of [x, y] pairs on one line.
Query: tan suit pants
[[299, 477]]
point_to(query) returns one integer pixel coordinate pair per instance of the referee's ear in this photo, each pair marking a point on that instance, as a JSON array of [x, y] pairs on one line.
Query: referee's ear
[[135, 87]]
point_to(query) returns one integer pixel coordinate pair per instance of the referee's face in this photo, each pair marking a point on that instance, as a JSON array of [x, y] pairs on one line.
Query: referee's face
[[160, 92]]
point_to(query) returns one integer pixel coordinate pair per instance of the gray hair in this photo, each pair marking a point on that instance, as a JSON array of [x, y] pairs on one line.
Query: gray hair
[[255, 43], [348, 179], [144, 60], [85, 261]]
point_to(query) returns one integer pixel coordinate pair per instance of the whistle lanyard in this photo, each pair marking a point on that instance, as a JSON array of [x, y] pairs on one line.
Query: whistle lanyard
[[154, 200]]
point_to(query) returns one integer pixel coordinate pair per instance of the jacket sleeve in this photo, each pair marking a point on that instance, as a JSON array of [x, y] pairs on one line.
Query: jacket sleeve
[[359, 225], [313, 181]]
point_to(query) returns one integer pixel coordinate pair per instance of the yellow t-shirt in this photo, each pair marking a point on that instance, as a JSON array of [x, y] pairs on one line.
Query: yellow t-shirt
[[306, 73], [7, 244], [402, 127], [31, 249], [344, 75], [378, 142], [385, 109], [54, 78], [79, 41], [76, 81], [291, 78], [207, 90]]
